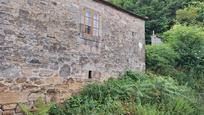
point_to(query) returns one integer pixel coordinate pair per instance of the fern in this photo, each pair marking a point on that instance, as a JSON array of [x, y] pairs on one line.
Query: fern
[[41, 107], [25, 109]]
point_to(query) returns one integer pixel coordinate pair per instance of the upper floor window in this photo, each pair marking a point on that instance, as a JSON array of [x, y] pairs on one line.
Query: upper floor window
[[90, 22]]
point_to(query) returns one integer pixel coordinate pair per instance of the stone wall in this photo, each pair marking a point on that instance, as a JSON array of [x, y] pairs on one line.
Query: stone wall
[[44, 54]]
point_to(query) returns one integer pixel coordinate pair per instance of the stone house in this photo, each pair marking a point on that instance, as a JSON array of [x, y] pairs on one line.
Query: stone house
[[49, 48]]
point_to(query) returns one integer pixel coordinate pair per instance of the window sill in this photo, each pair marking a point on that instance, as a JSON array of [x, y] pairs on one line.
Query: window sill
[[90, 38]]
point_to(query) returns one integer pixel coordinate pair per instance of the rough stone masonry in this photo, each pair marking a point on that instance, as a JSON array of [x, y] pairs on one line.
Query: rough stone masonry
[[48, 50]]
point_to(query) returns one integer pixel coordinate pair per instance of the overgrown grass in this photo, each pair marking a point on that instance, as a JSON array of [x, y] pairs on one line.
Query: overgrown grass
[[132, 94]]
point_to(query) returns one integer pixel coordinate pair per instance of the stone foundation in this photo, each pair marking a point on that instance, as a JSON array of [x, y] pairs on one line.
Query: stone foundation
[[27, 91]]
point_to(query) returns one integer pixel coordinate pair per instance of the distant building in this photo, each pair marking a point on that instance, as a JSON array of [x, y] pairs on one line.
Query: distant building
[[155, 40]]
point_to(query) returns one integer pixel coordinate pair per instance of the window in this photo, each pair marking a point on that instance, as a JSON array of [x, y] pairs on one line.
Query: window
[[134, 34], [87, 22], [90, 75], [90, 22]]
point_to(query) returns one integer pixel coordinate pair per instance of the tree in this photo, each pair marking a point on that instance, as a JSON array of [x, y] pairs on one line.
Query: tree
[[191, 15], [188, 42]]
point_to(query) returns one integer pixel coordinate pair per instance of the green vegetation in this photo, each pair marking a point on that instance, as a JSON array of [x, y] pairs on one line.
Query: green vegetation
[[161, 59], [188, 42], [191, 15], [132, 94], [181, 56], [41, 108]]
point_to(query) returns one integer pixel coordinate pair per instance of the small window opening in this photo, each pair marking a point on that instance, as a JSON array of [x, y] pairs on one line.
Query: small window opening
[[133, 34], [54, 3], [90, 74]]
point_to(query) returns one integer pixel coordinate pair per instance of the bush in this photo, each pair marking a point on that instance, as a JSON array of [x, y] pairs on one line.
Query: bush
[[134, 93], [161, 59], [179, 106], [41, 108], [188, 42], [148, 110]]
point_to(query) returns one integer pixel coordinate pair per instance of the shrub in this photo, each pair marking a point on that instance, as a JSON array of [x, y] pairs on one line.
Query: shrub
[[161, 59], [148, 110], [42, 108], [179, 106], [134, 93], [188, 42]]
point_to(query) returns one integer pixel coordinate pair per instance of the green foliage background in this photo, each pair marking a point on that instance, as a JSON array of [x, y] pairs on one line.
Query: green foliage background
[[191, 15]]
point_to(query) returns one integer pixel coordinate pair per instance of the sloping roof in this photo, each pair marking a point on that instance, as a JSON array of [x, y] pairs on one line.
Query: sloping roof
[[121, 9]]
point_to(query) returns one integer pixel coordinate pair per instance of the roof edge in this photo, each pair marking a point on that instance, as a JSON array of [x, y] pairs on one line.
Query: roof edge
[[121, 9]]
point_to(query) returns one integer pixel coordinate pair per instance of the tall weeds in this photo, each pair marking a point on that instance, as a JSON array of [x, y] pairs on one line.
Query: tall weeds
[[133, 94]]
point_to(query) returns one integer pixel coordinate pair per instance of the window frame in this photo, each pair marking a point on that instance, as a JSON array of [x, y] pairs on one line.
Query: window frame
[[89, 21]]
